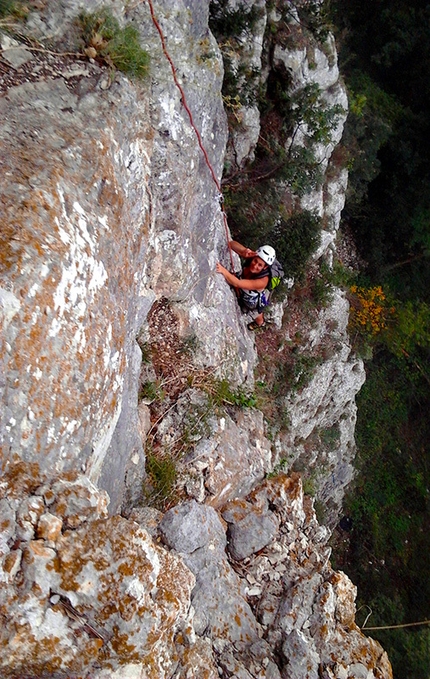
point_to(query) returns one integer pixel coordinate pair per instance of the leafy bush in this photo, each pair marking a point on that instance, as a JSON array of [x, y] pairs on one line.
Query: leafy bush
[[295, 374], [151, 391], [232, 23], [117, 46], [295, 239], [373, 117], [307, 109], [389, 505], [221, 393]]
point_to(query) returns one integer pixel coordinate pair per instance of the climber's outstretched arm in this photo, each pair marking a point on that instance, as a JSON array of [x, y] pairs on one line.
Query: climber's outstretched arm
[[242, 283], [241, 250]]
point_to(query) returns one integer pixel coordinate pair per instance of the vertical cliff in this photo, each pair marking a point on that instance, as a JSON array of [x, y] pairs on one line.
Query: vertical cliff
[[120, 342]]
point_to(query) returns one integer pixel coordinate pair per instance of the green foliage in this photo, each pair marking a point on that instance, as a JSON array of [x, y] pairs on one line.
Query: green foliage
[[232, 28], [162, 474], [330, 437], [7, 7], [338, 275], [301, 171], [146, 350], [240, 82], [410, 328], [118, 46], [385, 58], [322, 290], [12, 9], [308, 109], [232, 23], [309, 487], [390, 506], [221, 393], [281, 467], [151, 391], [372, 119], [297, 373], [313, 16], [296, 238]]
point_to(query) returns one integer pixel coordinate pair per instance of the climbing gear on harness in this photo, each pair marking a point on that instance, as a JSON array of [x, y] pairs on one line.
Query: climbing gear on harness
[[267, 254], [254, 326]]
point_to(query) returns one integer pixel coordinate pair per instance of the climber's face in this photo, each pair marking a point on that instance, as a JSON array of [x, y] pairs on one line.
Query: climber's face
[[256, 265]]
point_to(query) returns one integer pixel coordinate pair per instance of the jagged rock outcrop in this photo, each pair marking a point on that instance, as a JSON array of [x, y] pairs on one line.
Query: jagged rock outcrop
[[87, 595], [80, 588], [110, 230]]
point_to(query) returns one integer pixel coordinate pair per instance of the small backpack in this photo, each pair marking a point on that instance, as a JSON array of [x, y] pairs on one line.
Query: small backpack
[[276, 275]]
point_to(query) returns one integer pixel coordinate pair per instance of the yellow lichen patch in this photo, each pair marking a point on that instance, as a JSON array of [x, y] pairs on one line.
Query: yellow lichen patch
[[174, 585], [21, 478], [11, 561], [125, 650]]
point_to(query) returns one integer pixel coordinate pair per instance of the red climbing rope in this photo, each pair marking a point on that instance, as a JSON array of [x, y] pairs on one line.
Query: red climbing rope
[[190, 115]]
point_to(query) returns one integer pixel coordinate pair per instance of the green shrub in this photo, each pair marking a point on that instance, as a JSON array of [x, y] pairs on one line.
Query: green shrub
[[14, 9], [307, 108], [232, 23], [314, 16], [330, 437], [296, 373], [117, 46], [295, 239]]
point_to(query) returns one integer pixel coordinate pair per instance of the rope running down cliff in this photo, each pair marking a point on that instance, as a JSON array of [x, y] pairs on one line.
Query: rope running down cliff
[[190, 115]]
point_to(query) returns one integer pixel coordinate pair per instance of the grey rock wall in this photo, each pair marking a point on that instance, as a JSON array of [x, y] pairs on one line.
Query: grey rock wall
[[110, 230], [111, 206], [85, 595]]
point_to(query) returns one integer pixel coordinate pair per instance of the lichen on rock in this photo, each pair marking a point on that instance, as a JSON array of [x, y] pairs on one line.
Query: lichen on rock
[[110, 230]]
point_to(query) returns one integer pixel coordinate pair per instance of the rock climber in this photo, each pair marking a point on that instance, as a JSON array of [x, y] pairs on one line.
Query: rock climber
[[252, 280]]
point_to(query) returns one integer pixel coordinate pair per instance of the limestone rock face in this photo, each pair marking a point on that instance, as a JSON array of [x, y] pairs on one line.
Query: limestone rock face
[[73, 236], [111, 205], [94, 591], [110, 229]]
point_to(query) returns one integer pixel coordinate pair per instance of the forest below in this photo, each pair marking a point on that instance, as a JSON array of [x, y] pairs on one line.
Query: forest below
[[384, 48]]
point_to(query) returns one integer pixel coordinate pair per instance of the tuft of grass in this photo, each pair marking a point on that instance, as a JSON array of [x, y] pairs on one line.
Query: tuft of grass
[[221, 393], [119, 47], [162, 473], [150, 391], [13, 9], [7, 7]]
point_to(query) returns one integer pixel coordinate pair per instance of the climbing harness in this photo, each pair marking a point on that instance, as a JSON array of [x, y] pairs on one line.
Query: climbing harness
[[190, 116]]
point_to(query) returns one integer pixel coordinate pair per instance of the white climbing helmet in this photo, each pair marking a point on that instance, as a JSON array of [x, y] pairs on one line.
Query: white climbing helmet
[[267, 254]]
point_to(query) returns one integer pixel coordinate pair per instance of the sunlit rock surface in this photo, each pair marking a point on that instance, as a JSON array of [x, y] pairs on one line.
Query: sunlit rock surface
[[110, 231]]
